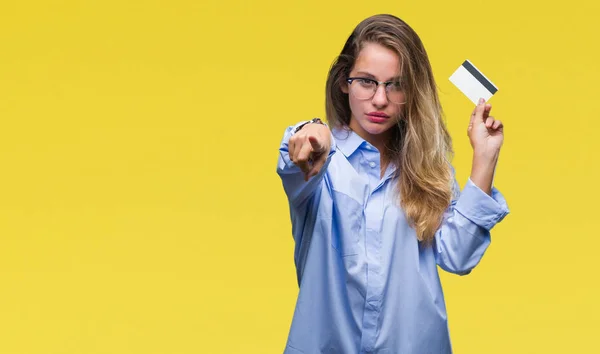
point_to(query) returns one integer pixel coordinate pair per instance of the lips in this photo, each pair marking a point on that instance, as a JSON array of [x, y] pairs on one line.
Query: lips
[[378, 114], [377, 117]]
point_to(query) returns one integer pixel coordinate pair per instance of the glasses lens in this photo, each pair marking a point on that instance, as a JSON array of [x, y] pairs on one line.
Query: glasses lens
[[363, 89], [394, 93]]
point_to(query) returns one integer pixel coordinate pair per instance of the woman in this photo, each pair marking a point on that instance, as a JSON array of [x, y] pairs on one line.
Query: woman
[[374, 203]]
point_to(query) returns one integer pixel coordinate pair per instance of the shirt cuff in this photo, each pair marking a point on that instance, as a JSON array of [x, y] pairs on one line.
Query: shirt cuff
[[481, 208]]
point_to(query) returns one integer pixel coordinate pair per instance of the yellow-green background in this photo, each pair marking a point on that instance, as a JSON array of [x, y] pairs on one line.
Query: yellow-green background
[[140, 211]]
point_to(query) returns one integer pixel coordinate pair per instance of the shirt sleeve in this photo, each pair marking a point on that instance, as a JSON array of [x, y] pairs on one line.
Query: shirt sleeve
[[296, 188], [464, 234]]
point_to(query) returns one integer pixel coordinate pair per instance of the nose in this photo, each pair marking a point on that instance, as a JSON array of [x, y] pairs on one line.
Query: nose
[[380, 96]]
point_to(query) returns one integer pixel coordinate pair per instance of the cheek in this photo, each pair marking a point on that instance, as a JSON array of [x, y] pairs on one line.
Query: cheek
[[397, 111], [355, 105]]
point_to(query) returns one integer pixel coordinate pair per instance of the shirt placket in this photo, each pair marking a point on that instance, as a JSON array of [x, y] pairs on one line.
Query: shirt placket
[[374, 289]]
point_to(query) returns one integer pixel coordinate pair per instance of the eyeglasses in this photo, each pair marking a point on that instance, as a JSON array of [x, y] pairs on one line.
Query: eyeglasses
[[364, 89]]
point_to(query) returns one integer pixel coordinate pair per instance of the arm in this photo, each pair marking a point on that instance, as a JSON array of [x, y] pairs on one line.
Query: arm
[[486, 135], [465, 232]]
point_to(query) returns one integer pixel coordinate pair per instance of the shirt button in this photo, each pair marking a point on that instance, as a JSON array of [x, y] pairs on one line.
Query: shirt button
[[372, 164]]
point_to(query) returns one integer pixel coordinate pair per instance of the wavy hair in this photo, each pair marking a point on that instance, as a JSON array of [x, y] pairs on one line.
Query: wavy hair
[[420, 145]]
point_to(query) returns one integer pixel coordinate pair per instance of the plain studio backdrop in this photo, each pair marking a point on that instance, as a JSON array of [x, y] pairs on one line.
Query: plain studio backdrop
[[140, 210]]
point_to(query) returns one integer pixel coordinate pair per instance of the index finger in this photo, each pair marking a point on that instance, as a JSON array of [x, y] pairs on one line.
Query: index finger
[[315, 143]]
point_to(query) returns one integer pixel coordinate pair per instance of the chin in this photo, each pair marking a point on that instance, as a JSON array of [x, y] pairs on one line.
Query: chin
[[376, 129]]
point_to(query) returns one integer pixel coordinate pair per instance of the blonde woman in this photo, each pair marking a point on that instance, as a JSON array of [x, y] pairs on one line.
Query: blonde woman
[[374, 203]]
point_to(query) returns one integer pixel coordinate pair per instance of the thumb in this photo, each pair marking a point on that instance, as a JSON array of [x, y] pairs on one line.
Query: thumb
[[315, 143], [479, 110]]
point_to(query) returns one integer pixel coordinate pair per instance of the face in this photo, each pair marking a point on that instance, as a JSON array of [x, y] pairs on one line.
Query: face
[[373, 118]]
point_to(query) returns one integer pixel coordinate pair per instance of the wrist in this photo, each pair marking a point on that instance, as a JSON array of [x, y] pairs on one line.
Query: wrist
[[483, 168], [312, 121], [485, 157]]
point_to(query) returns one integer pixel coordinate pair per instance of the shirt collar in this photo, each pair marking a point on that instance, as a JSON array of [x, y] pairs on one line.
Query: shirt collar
[[347, 141]]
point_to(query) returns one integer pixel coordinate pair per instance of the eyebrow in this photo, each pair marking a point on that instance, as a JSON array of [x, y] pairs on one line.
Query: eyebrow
[[371, 76]]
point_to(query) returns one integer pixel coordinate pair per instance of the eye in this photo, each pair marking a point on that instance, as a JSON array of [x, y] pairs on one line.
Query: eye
[[366, 82], [394, 86]]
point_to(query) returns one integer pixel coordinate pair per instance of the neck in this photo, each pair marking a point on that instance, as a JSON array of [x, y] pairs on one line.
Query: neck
[[378, 140]]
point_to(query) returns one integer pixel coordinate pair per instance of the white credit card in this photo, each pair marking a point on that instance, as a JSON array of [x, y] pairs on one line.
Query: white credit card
[[473, 83]]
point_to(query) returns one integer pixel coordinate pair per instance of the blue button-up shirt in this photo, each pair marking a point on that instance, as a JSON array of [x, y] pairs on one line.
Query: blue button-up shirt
[[366, 284]]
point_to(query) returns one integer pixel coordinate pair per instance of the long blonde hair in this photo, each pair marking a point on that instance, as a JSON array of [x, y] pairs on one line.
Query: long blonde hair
[[420, 145]]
